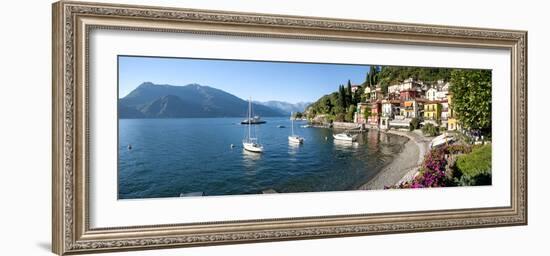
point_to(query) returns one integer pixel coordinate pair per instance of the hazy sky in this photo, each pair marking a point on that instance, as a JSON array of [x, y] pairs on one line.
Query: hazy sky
[[263, 81]]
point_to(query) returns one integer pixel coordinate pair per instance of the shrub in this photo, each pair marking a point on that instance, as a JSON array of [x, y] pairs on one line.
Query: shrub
[[433, 172], [430, 130], [433, 169], [414, 124], [340, 117], [457, 149], [475, 168]]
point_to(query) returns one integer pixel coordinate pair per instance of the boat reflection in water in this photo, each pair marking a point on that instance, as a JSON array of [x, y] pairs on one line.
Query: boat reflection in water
[[293, 148], [345, 144], [251, 160]]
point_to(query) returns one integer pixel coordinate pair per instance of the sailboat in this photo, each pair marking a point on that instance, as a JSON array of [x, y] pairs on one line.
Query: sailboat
[[250, 143], [293, 137]]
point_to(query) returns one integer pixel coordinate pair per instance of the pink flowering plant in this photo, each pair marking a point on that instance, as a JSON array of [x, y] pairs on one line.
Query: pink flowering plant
[[433, 169]]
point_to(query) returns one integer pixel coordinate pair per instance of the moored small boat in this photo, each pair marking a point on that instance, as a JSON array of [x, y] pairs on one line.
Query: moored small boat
[[253, 120], [251, 143], [253, 146], [344, 137], [293, 137]]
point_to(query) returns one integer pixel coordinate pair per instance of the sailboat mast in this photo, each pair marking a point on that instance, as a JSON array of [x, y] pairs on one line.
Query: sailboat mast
[[249, 116], [292, 119]]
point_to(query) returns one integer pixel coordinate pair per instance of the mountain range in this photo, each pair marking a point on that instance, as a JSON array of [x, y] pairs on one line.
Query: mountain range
[[150, 100], [285, 106]]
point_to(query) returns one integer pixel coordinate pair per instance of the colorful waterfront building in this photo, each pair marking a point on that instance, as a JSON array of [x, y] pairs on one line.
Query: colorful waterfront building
[[408, 84], [376, 93], [444, 112], [432, 111], [411, 108], [409, 94], [359, 116], [390, 108], [431, 94], [375, 112], [367, 91], [443, 90], [452, 122]]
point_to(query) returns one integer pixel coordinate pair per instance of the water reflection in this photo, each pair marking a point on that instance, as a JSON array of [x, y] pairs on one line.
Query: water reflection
[[250, 159], [345, 145], [373, 139], [293, 147], [215, 167]]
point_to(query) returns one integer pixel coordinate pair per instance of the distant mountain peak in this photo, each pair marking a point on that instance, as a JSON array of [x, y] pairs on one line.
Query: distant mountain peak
[[150, 100], [285, 106], [146, 84]]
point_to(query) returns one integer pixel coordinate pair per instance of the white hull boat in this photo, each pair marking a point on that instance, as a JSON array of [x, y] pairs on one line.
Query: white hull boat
[[344, 137], [293, 137], [253, 147], [251, 143]]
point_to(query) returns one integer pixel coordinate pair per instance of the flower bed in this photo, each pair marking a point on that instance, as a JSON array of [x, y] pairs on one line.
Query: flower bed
[[433, 170]]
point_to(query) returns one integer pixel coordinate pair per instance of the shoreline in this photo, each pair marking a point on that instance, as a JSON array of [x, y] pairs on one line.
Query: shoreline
[[404, 166]]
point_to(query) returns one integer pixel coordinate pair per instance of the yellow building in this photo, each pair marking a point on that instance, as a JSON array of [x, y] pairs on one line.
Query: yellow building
[[409, 109], [432, 110], [452, 122]]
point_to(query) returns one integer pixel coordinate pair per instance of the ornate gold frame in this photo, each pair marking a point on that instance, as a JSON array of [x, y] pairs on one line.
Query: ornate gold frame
[[72, 22]]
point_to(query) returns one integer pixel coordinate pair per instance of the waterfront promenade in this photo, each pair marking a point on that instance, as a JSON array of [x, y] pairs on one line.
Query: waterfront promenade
[[405, 164]]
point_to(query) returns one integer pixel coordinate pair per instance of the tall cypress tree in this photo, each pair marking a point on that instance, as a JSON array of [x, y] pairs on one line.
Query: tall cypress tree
[[349, 94], [373, 76], [342, 96]]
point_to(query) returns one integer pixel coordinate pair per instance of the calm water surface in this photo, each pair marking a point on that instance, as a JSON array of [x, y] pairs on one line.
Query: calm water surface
[[174, 156]]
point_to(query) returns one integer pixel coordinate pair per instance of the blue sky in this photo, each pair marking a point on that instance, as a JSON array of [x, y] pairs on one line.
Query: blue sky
[[263, 81]]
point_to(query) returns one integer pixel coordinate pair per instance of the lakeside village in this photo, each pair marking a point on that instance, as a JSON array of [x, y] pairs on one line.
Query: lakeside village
[[449, 118]]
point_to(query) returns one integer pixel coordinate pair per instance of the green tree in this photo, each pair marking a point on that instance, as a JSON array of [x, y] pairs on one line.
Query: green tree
[[340, 117], [350, 113], [297, 115], [372, 78], [342, 97], [349, 97], [329, 105], [471, 90], [367, 112], [357, 96], [430, 130], [389, 75], [414, 124]]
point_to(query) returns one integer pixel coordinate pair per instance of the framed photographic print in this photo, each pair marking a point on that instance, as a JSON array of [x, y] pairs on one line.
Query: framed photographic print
[[179, 127]]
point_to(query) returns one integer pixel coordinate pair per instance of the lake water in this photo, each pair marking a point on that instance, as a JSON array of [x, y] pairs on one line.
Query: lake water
[[174, 156]]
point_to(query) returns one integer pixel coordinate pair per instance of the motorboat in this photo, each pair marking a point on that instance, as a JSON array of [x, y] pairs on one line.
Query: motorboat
[[253, 120], [344, 136]]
